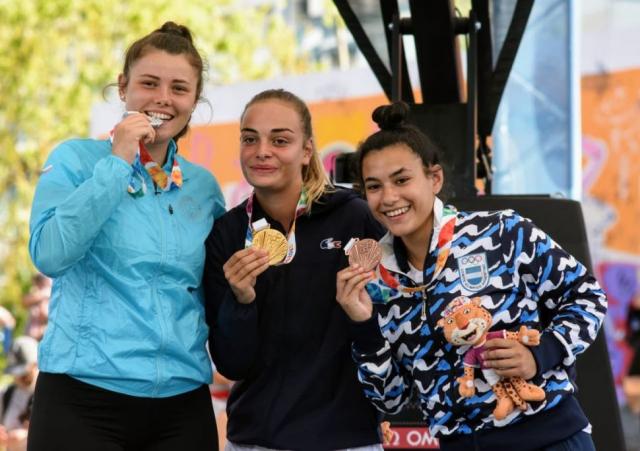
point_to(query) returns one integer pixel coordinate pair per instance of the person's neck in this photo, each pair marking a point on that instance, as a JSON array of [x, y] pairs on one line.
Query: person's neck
[[158, 152], [280, 205], [417, 245]]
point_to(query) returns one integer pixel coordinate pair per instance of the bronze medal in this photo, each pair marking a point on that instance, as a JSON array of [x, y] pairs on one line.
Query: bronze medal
[[272, 241], [365, 253]]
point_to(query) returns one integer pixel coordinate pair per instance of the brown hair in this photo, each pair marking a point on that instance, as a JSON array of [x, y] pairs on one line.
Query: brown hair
[[174, 39], [314, 178]]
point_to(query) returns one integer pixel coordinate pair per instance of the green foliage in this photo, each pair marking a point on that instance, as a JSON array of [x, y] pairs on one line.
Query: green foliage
[[58, 55]]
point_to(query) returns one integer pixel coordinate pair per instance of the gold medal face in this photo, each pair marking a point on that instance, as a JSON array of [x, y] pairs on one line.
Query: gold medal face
[[365, 253], [272, 241]]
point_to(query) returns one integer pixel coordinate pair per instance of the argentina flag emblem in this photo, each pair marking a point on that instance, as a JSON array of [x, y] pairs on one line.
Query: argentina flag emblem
[[474, 272]]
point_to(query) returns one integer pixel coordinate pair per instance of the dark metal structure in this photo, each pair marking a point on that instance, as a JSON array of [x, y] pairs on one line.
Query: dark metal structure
[[458, 112]]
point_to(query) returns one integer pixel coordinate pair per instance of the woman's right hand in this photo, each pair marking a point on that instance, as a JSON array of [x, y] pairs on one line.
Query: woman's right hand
[[128, 133], [351, 295], [242, 270]]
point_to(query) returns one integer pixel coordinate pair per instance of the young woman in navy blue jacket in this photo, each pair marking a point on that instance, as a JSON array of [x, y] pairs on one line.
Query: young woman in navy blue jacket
[[276, 328]]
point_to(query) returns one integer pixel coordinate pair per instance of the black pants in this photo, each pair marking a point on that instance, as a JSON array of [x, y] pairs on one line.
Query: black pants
[[70, 415]]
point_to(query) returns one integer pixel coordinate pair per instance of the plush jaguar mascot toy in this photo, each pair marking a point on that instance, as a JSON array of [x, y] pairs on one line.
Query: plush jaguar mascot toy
[[466, 322]]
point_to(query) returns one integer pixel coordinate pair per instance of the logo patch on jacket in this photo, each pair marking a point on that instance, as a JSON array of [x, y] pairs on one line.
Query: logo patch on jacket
[[474, 272], [329, 243]]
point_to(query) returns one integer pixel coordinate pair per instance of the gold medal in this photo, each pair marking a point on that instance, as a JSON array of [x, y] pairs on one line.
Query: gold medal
[[272, 241], [365, 253]]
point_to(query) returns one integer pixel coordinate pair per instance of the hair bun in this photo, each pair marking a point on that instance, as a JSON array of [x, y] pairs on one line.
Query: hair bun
[[173, 28], [390, 117]]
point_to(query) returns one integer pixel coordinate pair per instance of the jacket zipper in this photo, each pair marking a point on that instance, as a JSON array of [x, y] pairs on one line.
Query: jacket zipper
[[159, 311]]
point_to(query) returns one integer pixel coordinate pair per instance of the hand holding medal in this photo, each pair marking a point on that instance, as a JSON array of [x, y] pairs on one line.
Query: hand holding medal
[[134, 128], [364, 256], [264, 247], [242, 270]]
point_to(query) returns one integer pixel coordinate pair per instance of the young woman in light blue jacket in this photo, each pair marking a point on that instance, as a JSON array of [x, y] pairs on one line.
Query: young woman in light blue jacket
[[120, 225]]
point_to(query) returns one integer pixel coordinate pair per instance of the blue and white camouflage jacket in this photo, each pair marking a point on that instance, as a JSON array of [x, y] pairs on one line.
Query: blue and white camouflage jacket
[[522, 277]]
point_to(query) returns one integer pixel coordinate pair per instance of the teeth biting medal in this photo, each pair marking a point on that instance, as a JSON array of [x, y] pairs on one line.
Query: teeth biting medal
[[154, 121]]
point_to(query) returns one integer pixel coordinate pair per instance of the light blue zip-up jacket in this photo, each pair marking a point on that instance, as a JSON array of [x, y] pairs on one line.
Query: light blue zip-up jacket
[[126, 310]]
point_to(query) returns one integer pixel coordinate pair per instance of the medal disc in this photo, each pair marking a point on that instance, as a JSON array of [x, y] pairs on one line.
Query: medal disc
[[365, 253], [272, 241]]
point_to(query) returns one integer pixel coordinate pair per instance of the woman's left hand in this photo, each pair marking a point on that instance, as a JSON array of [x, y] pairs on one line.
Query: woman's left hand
[[509, 358]]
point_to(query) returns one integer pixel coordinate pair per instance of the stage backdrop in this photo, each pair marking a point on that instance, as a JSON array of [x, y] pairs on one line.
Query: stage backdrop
[[611, 197]]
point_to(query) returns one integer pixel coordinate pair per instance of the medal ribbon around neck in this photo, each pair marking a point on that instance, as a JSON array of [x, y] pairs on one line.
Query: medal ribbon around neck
[[440, 244], [143, 161], [301, 207]]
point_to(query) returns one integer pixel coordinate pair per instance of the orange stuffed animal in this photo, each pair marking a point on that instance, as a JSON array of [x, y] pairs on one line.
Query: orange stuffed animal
[[466, 322]]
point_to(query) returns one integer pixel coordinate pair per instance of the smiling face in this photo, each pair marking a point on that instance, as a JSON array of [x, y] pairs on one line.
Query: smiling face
[[400, 192], [161, 85], [273, 147]]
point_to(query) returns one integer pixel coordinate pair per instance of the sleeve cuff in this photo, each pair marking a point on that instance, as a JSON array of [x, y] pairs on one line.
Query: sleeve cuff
[[366, 335], [113, 172], [549, 353], [236, 318], [118, 165]]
